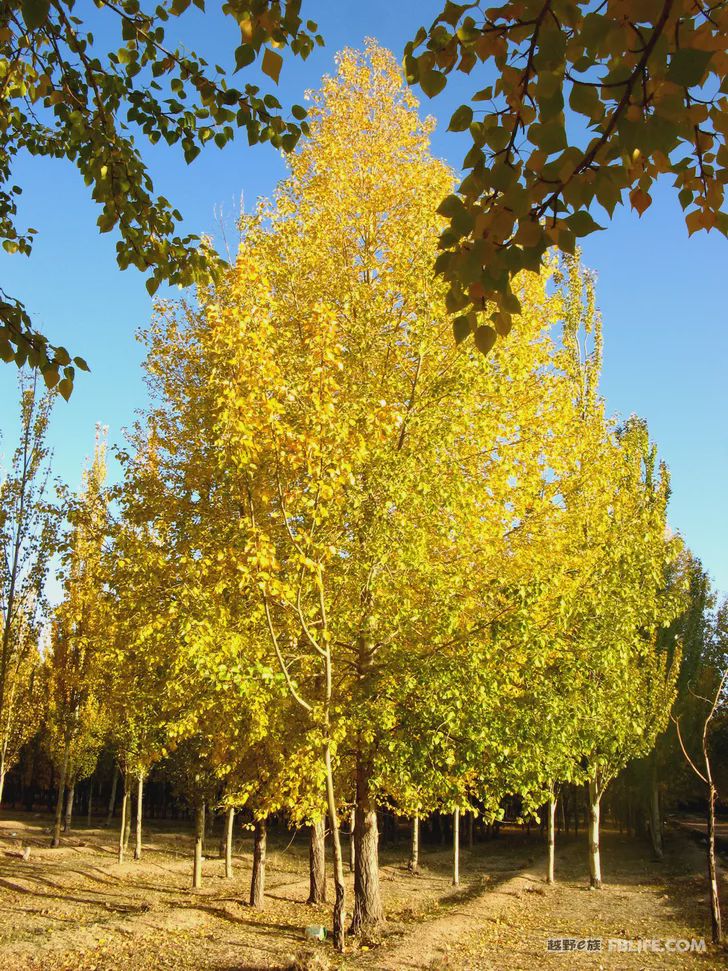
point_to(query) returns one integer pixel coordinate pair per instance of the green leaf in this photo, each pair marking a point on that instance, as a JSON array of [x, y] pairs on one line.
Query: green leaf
[[485, 338], [461, 118], [688, 66], [582, 224], [272, 64], [65, 387], [432, 82], [35, 12]]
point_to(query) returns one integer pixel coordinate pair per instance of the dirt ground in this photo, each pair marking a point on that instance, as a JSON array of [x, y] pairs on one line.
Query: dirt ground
[[76, 909]]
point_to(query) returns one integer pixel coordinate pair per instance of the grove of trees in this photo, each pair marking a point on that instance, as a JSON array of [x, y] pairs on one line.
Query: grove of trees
[[352, 564]]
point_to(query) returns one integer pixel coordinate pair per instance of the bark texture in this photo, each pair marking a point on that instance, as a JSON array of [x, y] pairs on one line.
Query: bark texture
[[595, 863], [456, 848], [229, 830], [317, 863], [139, 804], [68, 818], [414, 860], [56, 838], [257, 880], [112, 797], [199, 841], [368, 911], [124, 817], [551, 824]]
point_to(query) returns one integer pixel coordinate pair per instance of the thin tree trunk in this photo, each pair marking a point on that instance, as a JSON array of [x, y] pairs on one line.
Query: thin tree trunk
[[127, 822], [317, 863], [56, 840], [229, 829], [112, 797], [90, 807], [456, 848], [368, 910], [339, 934], [124, 817], [715, 920], [139, 803], [595, 865], [199, 841], [257, 881], [551, 824], [71, 792], [352, 847], [414, 860], [655, 816], [2, 780]]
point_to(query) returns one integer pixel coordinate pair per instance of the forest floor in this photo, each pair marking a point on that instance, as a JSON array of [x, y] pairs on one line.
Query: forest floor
[[76, 909]]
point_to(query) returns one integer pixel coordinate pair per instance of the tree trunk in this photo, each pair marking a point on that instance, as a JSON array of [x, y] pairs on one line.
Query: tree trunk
[[317, 863], [229, 829], [414, 860], [715, 920], [71, 792], [339, 934], [127, 822], [655, 816], [2, 782], [257, 881], [124, 818], [456, 848], [112, 797], [199, 840], [56, 840], [90, 807], [368, 911], [551, 824], [595, 865], [352, 848], [139, 802]]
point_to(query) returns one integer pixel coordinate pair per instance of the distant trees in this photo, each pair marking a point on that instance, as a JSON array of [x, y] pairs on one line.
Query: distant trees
[[28, 526], [73, 670]]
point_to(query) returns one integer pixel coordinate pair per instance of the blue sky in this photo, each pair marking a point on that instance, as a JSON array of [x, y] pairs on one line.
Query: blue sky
[[662, 295]]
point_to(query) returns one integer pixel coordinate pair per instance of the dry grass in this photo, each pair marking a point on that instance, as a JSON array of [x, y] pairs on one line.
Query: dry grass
[[76, 909]]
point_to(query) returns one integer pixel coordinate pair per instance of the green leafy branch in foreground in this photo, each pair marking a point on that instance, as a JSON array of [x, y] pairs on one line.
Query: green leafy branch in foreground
[[647, 85], [61, 97]]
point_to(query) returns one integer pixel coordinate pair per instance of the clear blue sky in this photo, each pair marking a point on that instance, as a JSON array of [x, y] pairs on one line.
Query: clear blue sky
[[663, 296]]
